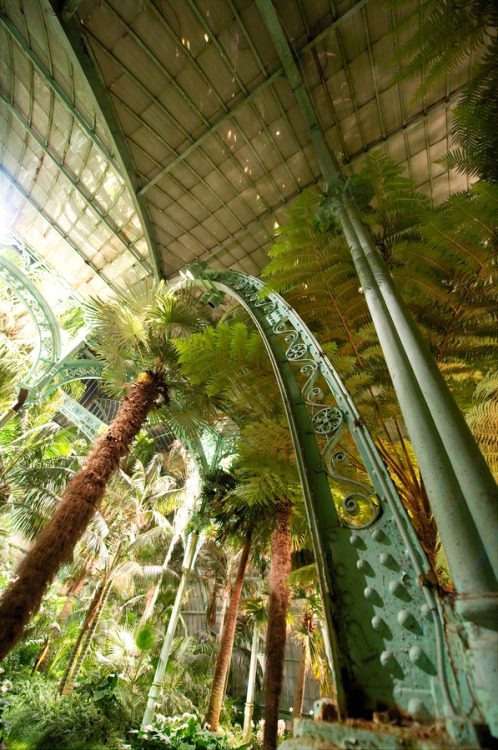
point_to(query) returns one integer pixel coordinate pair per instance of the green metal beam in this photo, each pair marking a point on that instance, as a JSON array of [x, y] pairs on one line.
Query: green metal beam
[[52, 83], [194, 146], [76, 184], [69, 33], [252, 95]]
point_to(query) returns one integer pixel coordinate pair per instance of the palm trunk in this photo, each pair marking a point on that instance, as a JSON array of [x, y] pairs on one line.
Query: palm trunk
[[251, 684], [225, 598], [153, 592], [150, 603], [55, 544], [71, 682], [74, 590], [223, 659], [280, 567], [297, 711], [87, 622]]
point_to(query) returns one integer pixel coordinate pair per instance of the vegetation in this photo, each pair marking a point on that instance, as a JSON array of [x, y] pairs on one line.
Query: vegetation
[[94, 540]]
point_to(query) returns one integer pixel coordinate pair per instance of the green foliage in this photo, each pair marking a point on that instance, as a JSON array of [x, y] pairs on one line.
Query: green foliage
[[178, 733], [482, 417], [45, 720], [446, 33]]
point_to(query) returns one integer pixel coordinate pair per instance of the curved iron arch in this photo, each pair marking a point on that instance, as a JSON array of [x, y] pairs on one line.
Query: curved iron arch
[[48, 347], [383, 619]]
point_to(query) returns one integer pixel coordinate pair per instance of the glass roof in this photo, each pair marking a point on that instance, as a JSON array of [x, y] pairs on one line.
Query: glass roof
[[140, 136]]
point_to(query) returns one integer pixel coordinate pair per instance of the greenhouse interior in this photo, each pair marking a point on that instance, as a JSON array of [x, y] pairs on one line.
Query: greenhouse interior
[[248, 374]]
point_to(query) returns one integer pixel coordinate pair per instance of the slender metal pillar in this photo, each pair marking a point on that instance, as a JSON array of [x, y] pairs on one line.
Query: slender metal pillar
[[469, 505], [468, 561], [251, 683], [188, 562], [476, 482]]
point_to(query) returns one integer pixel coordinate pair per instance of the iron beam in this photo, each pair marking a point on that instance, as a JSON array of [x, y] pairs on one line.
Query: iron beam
[[82, 58], [75, 184], [52, 83]]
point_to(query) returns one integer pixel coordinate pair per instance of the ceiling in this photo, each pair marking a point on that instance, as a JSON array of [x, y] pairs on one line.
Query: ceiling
[[140, 135]]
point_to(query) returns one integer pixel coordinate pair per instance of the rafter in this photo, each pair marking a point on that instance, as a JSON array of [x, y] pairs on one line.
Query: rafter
[[252, 95], [76, 184], [82, 58], [52, 83]]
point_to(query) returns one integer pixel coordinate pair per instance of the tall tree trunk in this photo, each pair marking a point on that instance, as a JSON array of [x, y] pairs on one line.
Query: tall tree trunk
[[225, 599], [155, 588], [87, 641], [87, 622], [297, 710], [223, 659], [74, 590], [55, 543], [280, 567]]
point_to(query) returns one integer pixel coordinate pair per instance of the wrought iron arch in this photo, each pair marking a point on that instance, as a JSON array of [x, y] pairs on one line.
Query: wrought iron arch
[[383, 618], [48, 346]]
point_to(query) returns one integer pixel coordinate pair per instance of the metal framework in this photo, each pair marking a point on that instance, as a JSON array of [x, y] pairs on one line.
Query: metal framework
[[393, 643]]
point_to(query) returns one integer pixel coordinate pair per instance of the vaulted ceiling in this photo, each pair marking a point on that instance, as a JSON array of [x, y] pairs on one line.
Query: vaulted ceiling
[[140, 135]]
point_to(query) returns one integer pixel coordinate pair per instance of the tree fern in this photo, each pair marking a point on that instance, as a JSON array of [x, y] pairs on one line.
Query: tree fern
[[446, 33]]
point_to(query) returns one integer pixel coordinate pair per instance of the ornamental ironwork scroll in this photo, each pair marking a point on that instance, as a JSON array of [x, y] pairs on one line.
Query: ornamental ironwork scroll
[[361, 507]]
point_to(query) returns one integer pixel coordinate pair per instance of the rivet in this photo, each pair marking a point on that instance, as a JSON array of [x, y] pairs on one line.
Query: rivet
[[370, 593], [340, 569], [396, 587], [378, 535], [405, 618], [416, 654], [356, 540], [416, 707], [362, 564], [426, 610], [347, 597], [377, 622], [387, 560], [386, 658]]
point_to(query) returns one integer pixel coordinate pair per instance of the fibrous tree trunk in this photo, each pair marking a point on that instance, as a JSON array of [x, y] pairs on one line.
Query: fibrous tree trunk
[[55, 544], [223, 659], [280, 567]]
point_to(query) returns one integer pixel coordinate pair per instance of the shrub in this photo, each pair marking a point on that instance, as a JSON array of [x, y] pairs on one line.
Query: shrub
[[176, 733], [46, 720]]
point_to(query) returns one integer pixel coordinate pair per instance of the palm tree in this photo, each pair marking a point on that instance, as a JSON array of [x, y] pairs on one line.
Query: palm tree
[[304, 585], [233, 521], [134, 524], [231, 363], [133, 337]]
